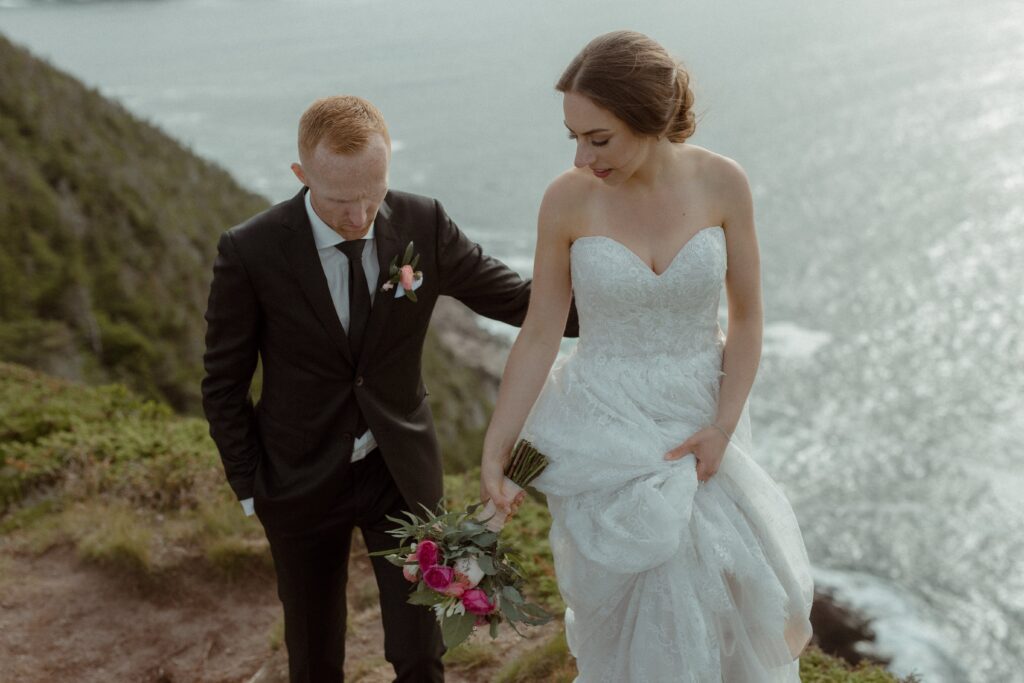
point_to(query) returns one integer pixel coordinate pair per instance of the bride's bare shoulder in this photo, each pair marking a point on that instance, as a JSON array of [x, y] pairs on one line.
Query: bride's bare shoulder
[[724, 181], [714, 168], [722, 173], [565, 200]]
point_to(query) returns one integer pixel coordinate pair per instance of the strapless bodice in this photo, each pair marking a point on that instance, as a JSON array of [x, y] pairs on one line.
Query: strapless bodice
[[628, 310]]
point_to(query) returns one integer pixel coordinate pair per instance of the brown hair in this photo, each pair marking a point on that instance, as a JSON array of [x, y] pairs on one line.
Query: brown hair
[[637, 80], [344, 122]]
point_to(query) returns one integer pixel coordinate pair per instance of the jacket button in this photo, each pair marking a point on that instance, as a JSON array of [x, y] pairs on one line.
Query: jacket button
[[359, 381], [347, 435]]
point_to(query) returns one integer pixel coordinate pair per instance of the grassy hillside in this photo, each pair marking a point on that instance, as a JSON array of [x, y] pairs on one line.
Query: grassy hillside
[[125, 480], [108, 229]]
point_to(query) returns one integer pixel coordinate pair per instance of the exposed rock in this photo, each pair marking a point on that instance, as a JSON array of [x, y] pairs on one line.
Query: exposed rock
[[842, 631], [458, 330]]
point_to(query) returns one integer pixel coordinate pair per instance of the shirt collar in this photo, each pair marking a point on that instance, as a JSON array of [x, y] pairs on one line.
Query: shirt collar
[[323, 235]]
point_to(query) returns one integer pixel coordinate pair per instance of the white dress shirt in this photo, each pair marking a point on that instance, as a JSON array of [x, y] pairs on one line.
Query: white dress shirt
[[335, 265]]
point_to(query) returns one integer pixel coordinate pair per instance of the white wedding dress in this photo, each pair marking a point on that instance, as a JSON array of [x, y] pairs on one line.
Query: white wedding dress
[[663, 579]]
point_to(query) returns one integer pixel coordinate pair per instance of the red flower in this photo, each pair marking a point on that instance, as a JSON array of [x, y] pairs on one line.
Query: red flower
[[438, 577], [426, 554], [476, 602]]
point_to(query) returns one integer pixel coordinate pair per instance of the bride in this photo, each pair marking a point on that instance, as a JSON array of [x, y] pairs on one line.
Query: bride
[[678, 558]]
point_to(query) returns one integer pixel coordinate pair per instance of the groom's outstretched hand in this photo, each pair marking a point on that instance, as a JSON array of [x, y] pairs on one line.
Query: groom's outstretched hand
[[708, 447]]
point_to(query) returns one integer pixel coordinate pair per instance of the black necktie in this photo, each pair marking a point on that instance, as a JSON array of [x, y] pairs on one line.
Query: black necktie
[[358, 295], [358, 307]]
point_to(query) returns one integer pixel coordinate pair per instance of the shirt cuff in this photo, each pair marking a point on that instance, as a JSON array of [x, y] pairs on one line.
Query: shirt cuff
[[247, 507]]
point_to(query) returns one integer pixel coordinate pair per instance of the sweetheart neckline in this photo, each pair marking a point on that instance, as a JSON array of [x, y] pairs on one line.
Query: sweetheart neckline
[[637, 256]]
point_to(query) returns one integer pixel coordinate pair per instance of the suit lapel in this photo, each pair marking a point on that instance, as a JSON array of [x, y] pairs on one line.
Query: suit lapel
[[300, 250], [389, 245]]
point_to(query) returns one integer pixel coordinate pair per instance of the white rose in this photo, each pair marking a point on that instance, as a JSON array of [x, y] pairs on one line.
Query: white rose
[[468, 567]]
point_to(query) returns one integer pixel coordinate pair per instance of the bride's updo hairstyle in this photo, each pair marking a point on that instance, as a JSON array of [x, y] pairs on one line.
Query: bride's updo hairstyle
[[637, 80]]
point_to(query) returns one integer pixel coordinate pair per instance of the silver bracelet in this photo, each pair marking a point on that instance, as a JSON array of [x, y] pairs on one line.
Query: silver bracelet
[[728, 437]]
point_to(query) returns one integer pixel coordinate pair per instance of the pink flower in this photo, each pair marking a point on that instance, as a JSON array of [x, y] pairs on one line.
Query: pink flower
[[405, 276], [438, 577], [411, 572], [426, 553], [475, 601], [457, 587]]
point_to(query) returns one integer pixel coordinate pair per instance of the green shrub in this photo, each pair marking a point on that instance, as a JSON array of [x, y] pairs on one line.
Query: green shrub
[[131, 485]]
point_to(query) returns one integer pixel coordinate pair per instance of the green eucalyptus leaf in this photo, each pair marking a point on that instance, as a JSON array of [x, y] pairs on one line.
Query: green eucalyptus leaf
[[486, 564], [494, 628], [392, 551], [486, 540], [512, 595], [425, 596], [415, 261], [511, 611], [535, 611], [410, 295], [407, 257], [455, 629]]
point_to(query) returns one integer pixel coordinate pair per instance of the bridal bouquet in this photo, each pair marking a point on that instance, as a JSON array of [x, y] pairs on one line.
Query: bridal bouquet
[[462, 569]]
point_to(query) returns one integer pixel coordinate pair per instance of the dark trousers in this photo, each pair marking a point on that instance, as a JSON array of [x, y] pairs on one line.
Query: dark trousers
[[312, 570]]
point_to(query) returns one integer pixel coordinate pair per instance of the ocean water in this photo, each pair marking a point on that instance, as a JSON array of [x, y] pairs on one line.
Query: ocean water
[[884, 147]]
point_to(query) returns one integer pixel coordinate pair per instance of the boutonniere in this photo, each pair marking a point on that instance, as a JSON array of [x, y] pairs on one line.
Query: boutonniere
[[404, 278]]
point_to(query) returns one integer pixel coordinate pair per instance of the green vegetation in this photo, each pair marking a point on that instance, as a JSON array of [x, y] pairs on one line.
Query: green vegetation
[[109, 230], [818, 667], [127, 482]]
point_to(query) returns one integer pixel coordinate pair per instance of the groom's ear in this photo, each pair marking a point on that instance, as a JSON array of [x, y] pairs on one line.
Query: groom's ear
[[297, 170]]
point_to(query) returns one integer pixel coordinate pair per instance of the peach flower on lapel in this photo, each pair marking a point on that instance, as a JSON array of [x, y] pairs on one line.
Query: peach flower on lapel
[[403, 276]]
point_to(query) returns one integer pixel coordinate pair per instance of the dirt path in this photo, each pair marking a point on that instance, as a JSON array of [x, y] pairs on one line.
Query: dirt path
[[63, 620]]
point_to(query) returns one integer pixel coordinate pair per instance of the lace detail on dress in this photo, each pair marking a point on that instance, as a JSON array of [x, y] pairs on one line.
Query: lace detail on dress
[[664, 579]]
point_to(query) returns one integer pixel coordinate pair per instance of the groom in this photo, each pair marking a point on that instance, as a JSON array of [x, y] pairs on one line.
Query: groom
[[343, 434]]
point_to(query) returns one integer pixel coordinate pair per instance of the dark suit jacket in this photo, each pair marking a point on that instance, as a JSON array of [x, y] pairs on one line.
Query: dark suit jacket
[[269, 298]]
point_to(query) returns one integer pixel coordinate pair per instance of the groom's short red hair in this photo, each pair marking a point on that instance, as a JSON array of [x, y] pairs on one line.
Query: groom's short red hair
[[344, 122]]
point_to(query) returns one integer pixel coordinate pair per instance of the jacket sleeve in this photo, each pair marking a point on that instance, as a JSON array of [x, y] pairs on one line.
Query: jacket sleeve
[[483, 283], [232, 348]]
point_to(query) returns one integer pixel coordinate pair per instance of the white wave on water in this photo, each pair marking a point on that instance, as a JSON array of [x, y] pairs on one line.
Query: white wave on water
[[903, 634], [793, 341]]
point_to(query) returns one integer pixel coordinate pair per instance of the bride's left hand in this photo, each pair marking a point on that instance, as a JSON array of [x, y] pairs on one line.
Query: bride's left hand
[[708, 447]]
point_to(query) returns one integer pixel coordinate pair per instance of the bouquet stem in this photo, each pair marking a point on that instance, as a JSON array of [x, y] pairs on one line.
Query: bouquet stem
[[523, 467]]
